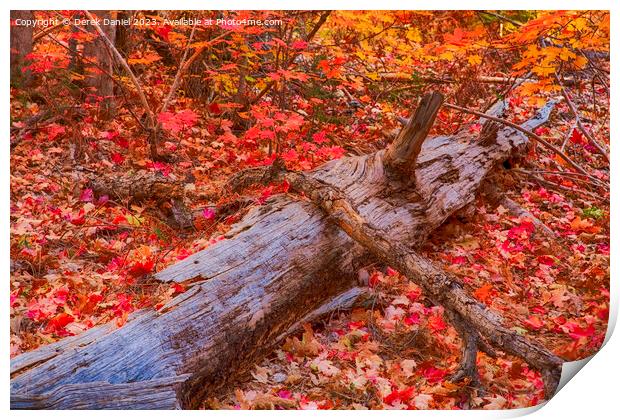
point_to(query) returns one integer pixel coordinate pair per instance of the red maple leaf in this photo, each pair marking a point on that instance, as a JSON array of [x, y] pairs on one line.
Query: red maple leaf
[[399, 395]]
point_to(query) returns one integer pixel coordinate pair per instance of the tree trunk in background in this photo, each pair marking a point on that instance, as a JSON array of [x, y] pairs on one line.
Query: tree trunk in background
[[123, 39], [21, 45], [193, 84], [98, 72]]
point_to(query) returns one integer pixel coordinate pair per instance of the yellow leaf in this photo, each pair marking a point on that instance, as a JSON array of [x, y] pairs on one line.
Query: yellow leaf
[[566, 54], [543, 71], [134, 220], [474, 59], [580, 62], [447, 55], [414, 35]]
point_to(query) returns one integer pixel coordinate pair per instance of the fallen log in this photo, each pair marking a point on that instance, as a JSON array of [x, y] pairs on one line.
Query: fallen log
[[281, 262], [442, 288], [143, 186], [136, 187]]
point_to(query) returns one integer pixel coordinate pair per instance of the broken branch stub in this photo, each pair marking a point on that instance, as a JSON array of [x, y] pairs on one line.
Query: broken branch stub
[[400, 158]]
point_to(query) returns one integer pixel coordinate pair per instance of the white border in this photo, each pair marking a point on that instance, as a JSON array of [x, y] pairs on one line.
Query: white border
[[592, 395]]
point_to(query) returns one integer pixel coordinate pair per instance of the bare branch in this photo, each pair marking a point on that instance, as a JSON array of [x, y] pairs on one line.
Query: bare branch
[[123, 62], [585, 132], [524, 131], [177, 78]]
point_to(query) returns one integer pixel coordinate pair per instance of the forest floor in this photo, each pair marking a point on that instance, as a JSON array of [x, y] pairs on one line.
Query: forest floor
[[79, 260], [391, 350]]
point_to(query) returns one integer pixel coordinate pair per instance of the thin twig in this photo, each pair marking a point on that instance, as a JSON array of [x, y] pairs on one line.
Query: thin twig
[[573, 109], [568, 135], [502, 17], [555, 185], [573, 175], [291, 60]]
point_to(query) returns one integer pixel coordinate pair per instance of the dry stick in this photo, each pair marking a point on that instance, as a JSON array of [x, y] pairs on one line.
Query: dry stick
[[204, 47], [524, 131], [185, 65], [406, 78], [45, 31], [551, 184], [123, 62], [571, 175], [149, 113], [568, 135], [573, 109], [94, 63], [502, 17], [516, 209], [441, 287]]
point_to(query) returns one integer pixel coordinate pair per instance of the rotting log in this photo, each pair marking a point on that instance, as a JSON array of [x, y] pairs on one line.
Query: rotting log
[[138, 186], [284, 260], [142, 186]]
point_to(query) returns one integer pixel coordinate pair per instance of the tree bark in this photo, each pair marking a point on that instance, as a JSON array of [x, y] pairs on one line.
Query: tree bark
[[21, 46], [284, 260], [401, 156], [139, 186], [100, 82]]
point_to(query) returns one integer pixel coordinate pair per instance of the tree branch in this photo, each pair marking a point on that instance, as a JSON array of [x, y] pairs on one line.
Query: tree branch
[[524, 131], [585, 132], [441, 287], [177, 78], [313, 32]]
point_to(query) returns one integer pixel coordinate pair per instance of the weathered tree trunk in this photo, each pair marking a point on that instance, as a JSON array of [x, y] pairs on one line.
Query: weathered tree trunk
[[281, 262], [98, 76], [21, 45], [143, 186]]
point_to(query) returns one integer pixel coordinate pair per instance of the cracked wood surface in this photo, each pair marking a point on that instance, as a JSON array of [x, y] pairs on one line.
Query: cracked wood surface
[[281, 262]]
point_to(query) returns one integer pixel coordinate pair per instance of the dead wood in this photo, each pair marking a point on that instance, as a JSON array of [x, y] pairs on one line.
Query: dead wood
[[146, 186], [527, 132], [578, 122], [137, 187], [400, 157], [516, 210], [279, 264], [441, 287]]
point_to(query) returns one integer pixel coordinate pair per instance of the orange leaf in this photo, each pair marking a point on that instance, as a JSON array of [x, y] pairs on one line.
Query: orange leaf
[[484, 293]]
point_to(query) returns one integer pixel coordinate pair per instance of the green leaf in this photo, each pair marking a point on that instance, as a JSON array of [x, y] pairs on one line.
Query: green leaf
[[593, 212]]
